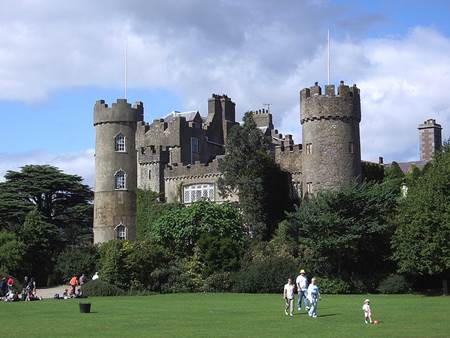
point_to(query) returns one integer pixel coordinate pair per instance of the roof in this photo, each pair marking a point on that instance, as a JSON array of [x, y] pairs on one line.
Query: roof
[[188, 115], [405, 166]]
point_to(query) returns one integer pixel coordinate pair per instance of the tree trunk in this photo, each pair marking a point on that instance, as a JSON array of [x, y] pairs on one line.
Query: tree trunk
[[445, 287]]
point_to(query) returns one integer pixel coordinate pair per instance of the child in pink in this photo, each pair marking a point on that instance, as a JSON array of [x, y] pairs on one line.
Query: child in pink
[[367, 312]]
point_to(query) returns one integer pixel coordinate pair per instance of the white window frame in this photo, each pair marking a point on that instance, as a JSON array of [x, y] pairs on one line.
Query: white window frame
[[308, 148], [122, 186], [122, 146], [196, 192], [309, 187], [121, 232]]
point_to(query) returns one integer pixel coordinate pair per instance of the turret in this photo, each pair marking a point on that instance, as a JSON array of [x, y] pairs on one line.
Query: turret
[[330, 132], [115, 170], [430, 139], [221, 117]]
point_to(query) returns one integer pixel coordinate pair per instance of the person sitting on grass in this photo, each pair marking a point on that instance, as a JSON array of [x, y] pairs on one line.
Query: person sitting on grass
[[3, 288], [367, 312], [288, 295], [313, 298]]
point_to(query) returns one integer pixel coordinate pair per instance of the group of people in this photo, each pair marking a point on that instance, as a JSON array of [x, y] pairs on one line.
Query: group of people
[[9, 293], [75, 287], [307, 292]]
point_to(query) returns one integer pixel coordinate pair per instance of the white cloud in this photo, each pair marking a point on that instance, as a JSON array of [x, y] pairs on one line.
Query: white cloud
[[80, 163], [256, 52]]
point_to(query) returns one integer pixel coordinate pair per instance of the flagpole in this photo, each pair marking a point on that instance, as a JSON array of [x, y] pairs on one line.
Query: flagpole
[[328, 68], [126, 68]]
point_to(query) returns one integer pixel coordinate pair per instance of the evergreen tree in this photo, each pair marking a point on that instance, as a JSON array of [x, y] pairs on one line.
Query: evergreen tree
[[250, 172], [60, 198]]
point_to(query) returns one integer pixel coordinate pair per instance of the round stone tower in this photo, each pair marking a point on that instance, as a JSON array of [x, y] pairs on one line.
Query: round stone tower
[[115, 170], [331, 155]]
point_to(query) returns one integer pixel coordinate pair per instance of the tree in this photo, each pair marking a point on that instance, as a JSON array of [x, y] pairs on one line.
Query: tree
[[60, 198], [422, 240], [249, 170], [112, 263], [180, 229], [344, 233], [76, 260], [42, 241], [12, 251]]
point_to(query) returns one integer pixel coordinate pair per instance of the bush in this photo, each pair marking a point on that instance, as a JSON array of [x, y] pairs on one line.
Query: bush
[[75, 261], [334, 286], [265, 276], [394, 284], [101, 288], [112, 263], [219, 282]]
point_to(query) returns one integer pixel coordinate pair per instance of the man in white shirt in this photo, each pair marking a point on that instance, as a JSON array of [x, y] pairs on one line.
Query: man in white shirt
[[288, 295], [302, 288]]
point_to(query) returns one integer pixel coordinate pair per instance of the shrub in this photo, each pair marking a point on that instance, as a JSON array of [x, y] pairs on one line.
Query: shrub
[[75, 261], [334, 286], [112, 263], [265, 276], [101, 288], [394, 284], [219, 282]]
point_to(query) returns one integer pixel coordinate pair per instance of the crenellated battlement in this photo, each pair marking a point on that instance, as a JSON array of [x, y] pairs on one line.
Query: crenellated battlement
[[330, 105], [179, 171], [120, 111]]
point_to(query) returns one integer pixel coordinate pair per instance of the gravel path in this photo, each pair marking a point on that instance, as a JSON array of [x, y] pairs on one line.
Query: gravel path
[[50, 292]]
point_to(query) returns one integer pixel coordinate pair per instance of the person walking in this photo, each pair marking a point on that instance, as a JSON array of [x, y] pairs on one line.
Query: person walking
[[288, 295], [73, 285], [302, 287], [313, 298], [367, 312]]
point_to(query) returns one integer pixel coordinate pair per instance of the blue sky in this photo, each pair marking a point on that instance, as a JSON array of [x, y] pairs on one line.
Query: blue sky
[[58, 58]]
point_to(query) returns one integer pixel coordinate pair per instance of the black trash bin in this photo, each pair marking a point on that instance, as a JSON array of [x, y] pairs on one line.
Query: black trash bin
[[85, 307]]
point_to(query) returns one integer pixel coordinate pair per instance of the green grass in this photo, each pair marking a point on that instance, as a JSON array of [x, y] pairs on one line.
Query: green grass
[[225, 315]]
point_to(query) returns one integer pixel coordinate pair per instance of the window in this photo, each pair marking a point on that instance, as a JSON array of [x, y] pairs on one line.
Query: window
[[351, 147], [194, 145], [309, 188], [121, 232], [119, 180], [196, 192], [119, 143], [309, 148]]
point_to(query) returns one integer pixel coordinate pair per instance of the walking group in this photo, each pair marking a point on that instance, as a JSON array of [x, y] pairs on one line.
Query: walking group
[[307, 292]]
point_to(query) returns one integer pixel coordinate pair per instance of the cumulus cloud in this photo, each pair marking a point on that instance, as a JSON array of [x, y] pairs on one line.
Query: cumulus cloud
[[255, 51], [79, 163]]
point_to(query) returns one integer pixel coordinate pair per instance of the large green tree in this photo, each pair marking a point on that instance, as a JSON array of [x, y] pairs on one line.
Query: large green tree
[[207, 223], [12, 251], [249, 171], [422, 239], [42, 242], [62, 199], [343, 233]]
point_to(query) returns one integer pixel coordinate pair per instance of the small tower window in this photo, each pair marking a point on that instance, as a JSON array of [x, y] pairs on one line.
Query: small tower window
[[149, 174], [308, 148], [119, 180], [121, 232], [119, 143], [351, 147]]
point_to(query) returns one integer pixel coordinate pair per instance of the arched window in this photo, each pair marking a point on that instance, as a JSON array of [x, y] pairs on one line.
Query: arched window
[[119, 143], [120, 180], [121, 232]]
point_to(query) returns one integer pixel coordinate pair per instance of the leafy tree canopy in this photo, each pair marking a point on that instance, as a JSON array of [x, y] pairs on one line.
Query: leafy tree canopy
[[422, 239], [180, 229], [60, 198], [249, 170], [344, 232]]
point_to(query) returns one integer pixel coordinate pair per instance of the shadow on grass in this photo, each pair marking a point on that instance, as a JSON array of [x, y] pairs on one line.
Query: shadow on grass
[[328, 315]]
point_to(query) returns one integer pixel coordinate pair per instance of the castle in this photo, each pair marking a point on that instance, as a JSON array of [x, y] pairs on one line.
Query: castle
[[177, 156]]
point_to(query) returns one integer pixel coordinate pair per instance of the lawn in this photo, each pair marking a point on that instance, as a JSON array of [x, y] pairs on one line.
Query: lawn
[[226, 315]]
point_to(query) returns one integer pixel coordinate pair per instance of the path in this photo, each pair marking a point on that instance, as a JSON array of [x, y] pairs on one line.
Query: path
[[50, 292]]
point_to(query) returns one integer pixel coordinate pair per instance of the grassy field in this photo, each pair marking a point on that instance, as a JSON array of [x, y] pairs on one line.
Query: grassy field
[[225, 315]]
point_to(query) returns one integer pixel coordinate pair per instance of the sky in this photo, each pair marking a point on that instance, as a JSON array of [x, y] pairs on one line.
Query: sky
[[58, 57]]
